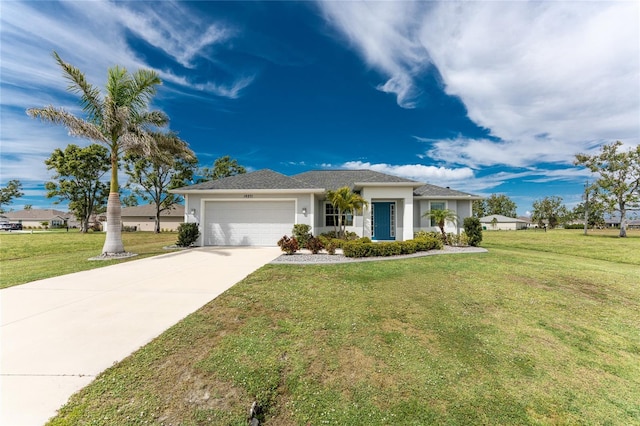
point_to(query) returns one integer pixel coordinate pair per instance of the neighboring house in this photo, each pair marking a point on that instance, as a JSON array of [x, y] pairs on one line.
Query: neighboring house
[[143, 217], [259, 208], [527, 219], [34, 218], [614, 222], [497, 222]]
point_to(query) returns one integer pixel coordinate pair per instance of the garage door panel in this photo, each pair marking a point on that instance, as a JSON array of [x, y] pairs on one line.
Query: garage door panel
[[260, 223]]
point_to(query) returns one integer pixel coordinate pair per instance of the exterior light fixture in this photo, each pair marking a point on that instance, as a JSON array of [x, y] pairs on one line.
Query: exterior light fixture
[[193, 211], [304, 210]]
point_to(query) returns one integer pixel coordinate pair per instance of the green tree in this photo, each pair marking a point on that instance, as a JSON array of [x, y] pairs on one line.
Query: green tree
[[11, 191], [550, 209], [479, 208], [618, 184], [28, 206], [151, 177], [441, 217], [77, 179], [345, 201], [120, 119], [595, 213], [222, 167], [498, 204]]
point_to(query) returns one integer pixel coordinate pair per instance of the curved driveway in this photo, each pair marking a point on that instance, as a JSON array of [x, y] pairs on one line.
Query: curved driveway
[[57, 334]]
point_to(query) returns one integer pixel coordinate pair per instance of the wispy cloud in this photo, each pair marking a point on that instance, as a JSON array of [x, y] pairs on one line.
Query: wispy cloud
[[384, 34], [465, 178], [568, 71], [93, 37]]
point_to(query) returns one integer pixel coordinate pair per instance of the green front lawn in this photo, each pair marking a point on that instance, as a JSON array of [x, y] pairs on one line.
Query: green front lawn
[[543, 329], [26, 257]]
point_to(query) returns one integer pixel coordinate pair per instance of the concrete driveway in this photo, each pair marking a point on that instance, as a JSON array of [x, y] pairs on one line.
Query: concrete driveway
[[57, 334]]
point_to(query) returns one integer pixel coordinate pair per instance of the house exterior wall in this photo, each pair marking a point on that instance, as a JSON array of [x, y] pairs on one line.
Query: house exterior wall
[[148, 223], [37, 223], [461, 207], [504, 226], [320, 222], [402, 196], [301, 201]]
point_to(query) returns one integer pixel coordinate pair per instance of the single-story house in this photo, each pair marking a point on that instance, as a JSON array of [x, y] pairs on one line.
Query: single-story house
[[34, 218], [497, 222], [258, 208], [143, 217], [614, 222]]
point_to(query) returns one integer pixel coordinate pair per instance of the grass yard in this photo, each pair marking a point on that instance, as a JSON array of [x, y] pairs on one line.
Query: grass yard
[[543, 329], [26, 257]]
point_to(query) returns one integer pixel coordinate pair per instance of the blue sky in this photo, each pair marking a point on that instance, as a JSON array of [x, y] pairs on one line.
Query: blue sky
[[484, 97]]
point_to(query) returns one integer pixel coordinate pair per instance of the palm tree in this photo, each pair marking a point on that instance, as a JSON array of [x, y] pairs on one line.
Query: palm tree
[[344, 200], [119, 119], [441, 217]]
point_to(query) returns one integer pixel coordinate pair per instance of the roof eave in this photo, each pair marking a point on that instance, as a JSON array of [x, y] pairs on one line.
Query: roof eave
[[413, 185], [449, 197], [244, 191]]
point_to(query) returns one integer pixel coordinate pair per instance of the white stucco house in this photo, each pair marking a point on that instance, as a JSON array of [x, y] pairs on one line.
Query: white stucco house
[[497, 222], [258, 208]]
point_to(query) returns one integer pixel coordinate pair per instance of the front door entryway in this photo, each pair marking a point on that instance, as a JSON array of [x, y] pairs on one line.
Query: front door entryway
[[383, 218]]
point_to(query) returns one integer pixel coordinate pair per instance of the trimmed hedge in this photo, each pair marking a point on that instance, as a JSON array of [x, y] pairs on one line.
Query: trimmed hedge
[[362, 248]]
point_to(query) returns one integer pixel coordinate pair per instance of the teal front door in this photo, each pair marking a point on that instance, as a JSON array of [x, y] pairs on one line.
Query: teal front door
[[383, 217]]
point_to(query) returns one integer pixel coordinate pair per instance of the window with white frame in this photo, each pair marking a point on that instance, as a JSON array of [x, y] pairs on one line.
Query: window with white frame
[[331, 216], [436, 205]]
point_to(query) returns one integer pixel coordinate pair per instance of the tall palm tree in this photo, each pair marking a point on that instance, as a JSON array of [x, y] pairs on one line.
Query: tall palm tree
[[441, 217], [344, 201], [120, 119]]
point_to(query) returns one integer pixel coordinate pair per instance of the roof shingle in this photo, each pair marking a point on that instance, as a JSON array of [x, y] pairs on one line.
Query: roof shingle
[[334, 179], [261, 179]]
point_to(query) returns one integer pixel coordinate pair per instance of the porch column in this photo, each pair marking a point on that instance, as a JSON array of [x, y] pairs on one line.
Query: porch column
[[407, 219]]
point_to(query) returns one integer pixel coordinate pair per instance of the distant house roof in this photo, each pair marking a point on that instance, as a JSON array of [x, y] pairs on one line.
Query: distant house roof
[[149, 210], [38, 214], [501, 219]]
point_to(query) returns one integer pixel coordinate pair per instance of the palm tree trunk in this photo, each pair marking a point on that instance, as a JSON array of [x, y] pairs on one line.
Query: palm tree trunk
[[113, 242]]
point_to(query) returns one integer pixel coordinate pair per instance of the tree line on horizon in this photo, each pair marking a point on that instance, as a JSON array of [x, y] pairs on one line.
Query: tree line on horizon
[[126, 132], [616, 190]]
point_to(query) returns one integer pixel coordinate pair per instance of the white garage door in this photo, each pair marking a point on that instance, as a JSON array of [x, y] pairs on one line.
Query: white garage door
[[249, 223]]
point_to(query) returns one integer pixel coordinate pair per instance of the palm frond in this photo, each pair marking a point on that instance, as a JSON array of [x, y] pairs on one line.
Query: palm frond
[[89, 94], [76, 126], [119, 84], [152, 118], [143, 88]]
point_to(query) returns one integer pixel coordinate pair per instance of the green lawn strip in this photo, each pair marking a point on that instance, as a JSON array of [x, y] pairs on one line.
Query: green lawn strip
[[598, 244], [507, 337], [28, 257]]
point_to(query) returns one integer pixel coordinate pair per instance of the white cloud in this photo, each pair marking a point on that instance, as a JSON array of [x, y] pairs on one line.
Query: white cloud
[[567, 70], [466, 179], [380, 33], [417, 172]]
